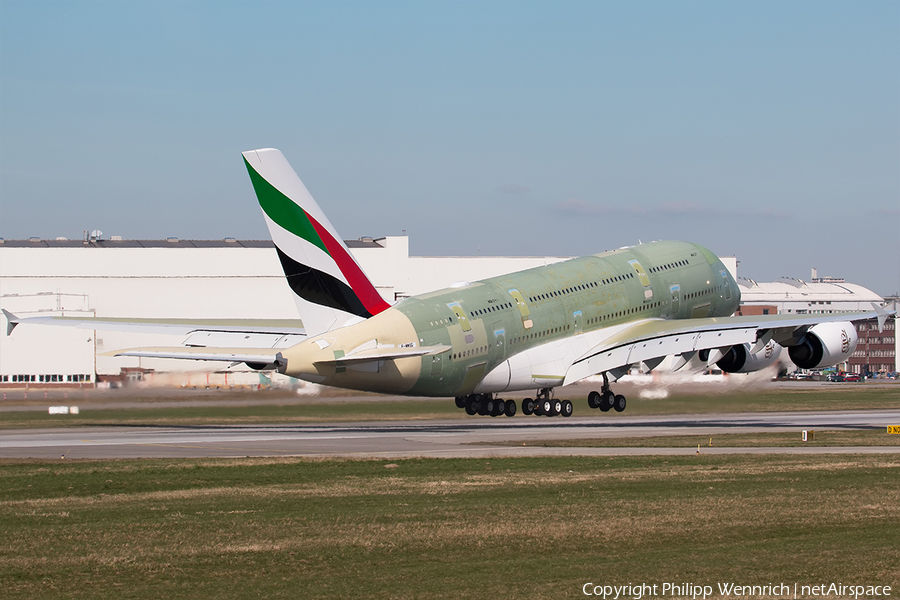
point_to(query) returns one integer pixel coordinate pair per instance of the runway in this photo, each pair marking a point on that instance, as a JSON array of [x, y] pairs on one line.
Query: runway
[[430, 438]]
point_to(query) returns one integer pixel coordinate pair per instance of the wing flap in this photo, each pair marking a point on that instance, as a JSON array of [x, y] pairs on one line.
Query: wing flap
[[651, 340]]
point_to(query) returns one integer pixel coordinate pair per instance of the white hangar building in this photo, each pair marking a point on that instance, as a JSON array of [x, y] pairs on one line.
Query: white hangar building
[[221, 279], [176, 279]]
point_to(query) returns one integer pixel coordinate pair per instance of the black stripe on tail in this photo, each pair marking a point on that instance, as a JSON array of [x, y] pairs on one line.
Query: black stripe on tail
[[321, 288]]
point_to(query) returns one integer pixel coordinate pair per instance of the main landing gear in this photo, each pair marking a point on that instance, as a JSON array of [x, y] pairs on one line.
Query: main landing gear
[[605, 399], [487, 405], [546, 406]]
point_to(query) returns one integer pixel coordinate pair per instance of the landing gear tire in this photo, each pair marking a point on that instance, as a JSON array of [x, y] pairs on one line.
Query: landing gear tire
[[461, 402], [490, 407], [566, 408], [619, 403], [472, 407], [510, 409], [528, 407], [594, 400], [557, 407], [547, 408], [606, 401]]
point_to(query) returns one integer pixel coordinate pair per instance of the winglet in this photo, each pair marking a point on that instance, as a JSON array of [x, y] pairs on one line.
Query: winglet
[[879, 311], [11, 321]]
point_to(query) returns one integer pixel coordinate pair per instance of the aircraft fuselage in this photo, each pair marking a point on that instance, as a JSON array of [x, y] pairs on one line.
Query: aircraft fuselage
[[485, 323]]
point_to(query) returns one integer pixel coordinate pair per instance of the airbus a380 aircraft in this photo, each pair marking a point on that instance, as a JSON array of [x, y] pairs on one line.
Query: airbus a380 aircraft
[[532, 330]]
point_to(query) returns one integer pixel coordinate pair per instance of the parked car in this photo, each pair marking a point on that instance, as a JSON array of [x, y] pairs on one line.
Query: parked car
[[852, 377], [836, 377]]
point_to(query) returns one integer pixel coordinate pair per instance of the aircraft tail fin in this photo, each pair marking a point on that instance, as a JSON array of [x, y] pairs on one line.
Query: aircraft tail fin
[[329, 286]]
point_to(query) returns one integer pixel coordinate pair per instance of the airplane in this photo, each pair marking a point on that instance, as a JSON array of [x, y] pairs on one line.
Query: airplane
[[537, 329]]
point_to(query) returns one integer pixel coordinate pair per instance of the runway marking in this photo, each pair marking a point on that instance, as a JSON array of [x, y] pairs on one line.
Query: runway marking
[[204, 447]]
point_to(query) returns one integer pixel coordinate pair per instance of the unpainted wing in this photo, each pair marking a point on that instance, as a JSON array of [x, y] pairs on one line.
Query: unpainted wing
[[652, 339]]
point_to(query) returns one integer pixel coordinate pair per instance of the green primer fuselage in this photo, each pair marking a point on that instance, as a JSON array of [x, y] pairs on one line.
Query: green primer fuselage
[[488, 321]]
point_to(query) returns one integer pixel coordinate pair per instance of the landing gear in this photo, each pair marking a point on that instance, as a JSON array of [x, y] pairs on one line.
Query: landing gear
[[605, 399], [546, 406], [486, 405], [528, 407]]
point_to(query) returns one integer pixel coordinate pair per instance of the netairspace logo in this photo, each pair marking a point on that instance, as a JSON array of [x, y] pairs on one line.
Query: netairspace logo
[[734, 590]]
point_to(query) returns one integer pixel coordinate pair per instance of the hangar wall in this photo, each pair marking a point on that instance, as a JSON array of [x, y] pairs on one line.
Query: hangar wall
[[176, 279]]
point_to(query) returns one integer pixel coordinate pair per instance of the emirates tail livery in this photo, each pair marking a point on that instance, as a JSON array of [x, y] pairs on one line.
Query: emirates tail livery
[[536, 329]]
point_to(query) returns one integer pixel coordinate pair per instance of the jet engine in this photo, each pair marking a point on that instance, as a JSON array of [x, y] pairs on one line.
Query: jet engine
[[261, 366], [740, 360], [824, 345]]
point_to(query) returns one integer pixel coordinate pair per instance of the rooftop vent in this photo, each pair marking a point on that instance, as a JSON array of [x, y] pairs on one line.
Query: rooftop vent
[[35, 240], [230, 240], [172, 239], [115, 238]]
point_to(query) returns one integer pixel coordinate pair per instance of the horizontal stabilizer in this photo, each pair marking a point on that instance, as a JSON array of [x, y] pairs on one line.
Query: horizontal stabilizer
[[387, 353], [266, 356], [168, 326]]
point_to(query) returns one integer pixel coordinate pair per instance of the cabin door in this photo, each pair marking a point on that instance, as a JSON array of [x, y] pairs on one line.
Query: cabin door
[[675, 291]]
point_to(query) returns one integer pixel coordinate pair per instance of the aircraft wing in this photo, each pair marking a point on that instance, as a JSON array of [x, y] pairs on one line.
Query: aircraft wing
[[652, 340], [256, 341], [169, 326]]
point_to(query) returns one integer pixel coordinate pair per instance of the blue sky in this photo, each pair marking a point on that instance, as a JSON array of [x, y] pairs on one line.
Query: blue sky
[[765, 130]]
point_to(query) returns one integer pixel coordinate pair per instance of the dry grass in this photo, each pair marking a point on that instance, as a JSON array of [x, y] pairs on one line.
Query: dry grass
[[529, 528]]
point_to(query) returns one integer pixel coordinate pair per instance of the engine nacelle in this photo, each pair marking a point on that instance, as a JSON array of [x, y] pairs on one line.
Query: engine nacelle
[[740, 360], [824, 345], [262, 366]]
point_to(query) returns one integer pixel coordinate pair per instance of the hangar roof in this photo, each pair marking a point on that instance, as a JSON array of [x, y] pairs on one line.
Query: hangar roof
[[166, 243]]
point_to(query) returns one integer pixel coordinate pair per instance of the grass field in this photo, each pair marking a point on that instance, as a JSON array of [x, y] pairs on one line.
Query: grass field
[[272, 408], [452, 528]]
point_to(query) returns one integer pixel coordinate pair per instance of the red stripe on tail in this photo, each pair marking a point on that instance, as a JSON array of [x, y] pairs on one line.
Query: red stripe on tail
[[358, 281]]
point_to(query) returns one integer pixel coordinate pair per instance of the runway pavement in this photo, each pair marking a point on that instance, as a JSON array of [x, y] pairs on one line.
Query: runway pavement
[[429, 438]]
